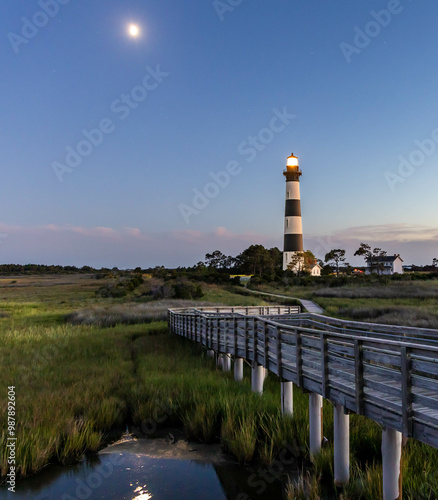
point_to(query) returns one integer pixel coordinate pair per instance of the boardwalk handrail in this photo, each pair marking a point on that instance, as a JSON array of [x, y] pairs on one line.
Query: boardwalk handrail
[[375, 330], [393, 382]]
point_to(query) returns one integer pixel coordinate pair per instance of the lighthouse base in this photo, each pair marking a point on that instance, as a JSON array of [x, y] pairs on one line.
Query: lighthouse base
[[290, 257]]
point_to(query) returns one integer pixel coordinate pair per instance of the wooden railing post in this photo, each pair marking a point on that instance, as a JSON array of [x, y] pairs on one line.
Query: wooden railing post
[[406, 384], [235, 331], [278, 353], [324, 367], [265, 345], [358, 369], [218, 345], [245, 332], [225, 335], [299, 359]]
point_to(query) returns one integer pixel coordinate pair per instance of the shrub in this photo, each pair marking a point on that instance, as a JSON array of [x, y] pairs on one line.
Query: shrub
[[186, 290]]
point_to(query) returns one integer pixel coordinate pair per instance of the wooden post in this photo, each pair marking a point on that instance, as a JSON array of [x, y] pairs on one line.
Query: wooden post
[[315, 422], [255, 340], [235, 332], [278, 353], [245, 332], [299, 359], [287, 400], [265, 346], [341, 427], [238, 369], [406, 381], [324, 366], [391, 463], [358, 368], [257, 377]]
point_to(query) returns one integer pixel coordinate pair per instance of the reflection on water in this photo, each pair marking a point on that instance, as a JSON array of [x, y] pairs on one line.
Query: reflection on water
[[141, 493], [127, 476]]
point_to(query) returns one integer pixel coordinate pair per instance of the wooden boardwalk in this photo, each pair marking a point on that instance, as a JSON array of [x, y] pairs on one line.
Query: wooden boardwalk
[[387, 373]]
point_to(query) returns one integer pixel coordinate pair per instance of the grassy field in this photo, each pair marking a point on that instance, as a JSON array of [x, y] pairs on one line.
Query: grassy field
[[402, 303], [78, 380]]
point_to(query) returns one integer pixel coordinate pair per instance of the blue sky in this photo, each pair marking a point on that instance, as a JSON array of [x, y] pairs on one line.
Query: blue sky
[[356, 87]]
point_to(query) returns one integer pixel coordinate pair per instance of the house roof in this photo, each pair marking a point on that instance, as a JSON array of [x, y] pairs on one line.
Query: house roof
[[388, 258]]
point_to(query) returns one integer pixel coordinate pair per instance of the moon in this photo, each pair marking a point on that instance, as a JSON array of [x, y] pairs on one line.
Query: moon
[[134, 30]]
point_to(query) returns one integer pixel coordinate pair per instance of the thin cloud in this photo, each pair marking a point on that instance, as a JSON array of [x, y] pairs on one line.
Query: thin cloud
[[389, 232], [131, 247]]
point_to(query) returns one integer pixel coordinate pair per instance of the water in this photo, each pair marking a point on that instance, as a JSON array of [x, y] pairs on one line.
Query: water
[[133, 476]]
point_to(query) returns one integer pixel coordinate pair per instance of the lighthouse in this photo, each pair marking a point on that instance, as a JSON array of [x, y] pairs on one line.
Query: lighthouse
[[293, 229]]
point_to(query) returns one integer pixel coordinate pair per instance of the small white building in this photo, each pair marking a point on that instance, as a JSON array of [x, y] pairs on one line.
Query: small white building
[[385, 265], [315, 270]]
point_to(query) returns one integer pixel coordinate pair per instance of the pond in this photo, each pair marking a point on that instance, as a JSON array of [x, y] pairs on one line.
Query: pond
[[154, 469]]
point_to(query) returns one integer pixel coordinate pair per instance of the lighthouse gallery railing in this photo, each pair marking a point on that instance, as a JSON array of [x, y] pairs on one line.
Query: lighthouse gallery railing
[[390, 376]]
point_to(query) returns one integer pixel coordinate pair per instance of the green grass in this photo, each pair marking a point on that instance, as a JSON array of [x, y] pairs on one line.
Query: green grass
[[399, 303], [224, 295]]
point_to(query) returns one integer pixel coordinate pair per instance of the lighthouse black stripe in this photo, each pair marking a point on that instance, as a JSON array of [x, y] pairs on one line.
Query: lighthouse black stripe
[[293, 242], [293, 208]]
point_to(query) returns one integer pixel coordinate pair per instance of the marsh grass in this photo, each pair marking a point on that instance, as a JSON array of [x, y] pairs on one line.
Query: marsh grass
[[129, 313], [391, 315], [399, 291], [306, 487], [239, 436]]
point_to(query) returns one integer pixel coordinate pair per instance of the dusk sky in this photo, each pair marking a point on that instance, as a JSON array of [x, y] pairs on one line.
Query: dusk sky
[[108, 139]]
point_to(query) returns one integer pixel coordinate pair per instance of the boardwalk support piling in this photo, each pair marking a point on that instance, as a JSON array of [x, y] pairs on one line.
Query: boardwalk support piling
[[220, 361], [341, 427], [226, 364], [315, 422], [238, 369], [257, 377], [210, 353], [287, 402], [391, 461]]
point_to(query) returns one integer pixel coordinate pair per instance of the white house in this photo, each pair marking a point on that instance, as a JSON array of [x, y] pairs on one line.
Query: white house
[[315, 270], [385, 265]]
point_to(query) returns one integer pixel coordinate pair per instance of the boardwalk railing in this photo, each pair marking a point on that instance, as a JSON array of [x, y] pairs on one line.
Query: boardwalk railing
[[387, 373]]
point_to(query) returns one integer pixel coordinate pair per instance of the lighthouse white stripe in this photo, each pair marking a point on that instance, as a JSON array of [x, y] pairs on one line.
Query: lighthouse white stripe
[[292, 190], [293, 225]]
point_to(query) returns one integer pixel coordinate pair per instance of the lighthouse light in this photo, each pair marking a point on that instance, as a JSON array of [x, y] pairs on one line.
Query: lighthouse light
[[292, 161]]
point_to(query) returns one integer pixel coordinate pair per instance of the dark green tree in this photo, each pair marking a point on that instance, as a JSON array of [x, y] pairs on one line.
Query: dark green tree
[[217, 260], [255, 260], [371, 256], [335, 257]]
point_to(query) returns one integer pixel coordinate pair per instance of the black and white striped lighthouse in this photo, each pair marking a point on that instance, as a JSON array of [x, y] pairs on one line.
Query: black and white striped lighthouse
[[293, 229]]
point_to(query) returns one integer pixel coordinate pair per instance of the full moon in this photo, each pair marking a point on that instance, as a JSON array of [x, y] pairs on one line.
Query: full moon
[[134, 30]]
